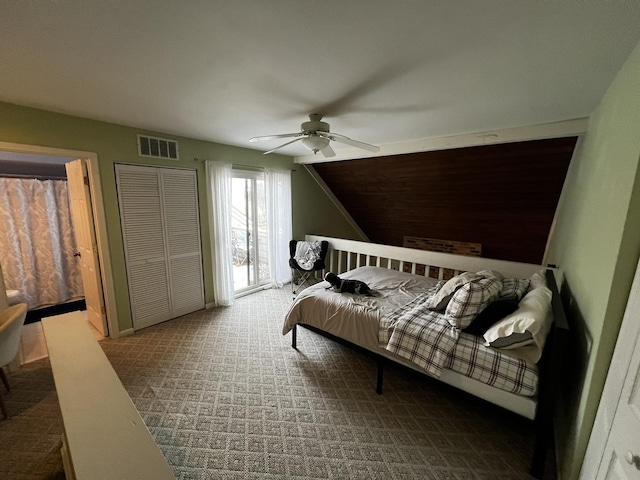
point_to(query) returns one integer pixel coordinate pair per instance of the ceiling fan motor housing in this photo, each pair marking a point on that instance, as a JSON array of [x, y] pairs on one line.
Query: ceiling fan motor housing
[[316, 136], [315, 125]]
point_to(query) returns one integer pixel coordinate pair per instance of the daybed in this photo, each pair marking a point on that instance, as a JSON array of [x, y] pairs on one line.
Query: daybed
[[395, 325]]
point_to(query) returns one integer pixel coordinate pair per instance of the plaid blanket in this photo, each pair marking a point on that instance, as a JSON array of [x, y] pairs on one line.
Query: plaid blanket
[[492, 366], [420, 335], [427, 339]]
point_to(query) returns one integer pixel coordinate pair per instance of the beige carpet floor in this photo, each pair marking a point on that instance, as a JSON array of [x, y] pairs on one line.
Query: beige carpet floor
[[225, 396]]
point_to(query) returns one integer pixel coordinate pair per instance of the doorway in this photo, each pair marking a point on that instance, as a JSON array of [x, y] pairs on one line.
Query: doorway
[[36, 158], [36, 235], [249, 231]]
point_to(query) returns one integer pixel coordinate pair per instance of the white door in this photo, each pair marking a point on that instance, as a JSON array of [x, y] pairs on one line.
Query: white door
[[614, 447], [249, 231], [621, 459], [141, 216], [182, 232], [80, 199], [161, 232]]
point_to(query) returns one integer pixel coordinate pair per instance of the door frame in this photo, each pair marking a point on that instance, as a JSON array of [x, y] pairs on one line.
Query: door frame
[[100, 221], [618, 369], [253, 175]]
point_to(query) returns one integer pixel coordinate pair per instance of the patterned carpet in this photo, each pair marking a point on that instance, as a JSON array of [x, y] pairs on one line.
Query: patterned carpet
[[225, 396]]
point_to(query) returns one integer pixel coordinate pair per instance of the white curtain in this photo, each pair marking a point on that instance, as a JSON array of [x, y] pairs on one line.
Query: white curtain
[[278, 192], [219, 199], [37, 242]]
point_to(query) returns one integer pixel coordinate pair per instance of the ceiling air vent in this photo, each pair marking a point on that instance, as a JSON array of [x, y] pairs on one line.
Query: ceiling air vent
[[157, 147]]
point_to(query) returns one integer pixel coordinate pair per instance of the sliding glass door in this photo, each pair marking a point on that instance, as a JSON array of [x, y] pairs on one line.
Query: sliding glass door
[[249, 231]]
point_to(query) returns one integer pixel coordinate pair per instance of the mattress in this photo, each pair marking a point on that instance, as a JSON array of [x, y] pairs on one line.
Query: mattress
[[356, 318]]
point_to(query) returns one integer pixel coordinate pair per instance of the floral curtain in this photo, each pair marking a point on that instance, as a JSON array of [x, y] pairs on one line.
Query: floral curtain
[[37, 243]]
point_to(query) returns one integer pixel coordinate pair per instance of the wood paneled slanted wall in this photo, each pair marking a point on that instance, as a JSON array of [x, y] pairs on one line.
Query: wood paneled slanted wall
[[501, 196]]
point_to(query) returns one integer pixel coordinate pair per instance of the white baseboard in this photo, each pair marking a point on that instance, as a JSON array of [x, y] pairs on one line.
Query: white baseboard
[[128, 331]]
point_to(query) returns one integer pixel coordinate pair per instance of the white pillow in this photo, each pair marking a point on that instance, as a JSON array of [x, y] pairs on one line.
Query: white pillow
[[513, 341], [533, 315], [538, 279], [441, 299]]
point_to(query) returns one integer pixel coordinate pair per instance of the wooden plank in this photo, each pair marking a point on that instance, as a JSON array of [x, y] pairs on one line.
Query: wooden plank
[[502, 196], [105, 436]]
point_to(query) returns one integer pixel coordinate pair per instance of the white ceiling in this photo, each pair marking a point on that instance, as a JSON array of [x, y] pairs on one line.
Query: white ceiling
[[382, 71]]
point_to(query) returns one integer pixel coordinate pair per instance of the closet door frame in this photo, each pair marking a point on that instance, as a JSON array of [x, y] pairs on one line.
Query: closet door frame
[[159, 172]]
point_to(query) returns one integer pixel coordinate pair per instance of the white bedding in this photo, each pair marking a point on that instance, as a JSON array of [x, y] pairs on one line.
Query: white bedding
[[356, 318]]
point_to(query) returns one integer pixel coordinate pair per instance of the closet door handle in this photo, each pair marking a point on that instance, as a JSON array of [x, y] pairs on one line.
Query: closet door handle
[[77, 254]]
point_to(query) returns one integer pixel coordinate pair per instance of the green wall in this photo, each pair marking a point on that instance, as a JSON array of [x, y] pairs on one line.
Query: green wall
[[596, 244], [313, 211]]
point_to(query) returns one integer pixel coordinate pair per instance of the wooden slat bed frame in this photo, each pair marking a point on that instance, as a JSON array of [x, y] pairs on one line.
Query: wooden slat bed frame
[[344, 255]]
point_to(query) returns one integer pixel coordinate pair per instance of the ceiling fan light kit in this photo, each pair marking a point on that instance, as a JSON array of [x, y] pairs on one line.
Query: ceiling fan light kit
[[315, 143], [316, 137]]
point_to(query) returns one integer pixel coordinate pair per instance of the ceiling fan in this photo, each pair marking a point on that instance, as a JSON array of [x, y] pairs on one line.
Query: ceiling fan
[[316, 136]]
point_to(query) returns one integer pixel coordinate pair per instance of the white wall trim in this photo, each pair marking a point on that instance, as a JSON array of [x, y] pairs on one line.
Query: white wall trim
[[565, 128], [325, 188], [100, 220], [549, 255]]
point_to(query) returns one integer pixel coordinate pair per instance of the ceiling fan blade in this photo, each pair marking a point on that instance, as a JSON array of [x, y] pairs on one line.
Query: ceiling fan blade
[[273, 137], [328, 151], [354, 143], [283, 145]]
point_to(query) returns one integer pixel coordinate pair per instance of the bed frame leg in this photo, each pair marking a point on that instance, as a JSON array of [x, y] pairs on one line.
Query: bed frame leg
[[543, 426], [543, 423], [380, 372], [539, 453], [294, 337], [551, 372]]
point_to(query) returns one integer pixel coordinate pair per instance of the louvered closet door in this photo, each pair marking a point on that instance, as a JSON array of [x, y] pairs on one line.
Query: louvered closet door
[[143, 235], [159, 214], [180, 195]]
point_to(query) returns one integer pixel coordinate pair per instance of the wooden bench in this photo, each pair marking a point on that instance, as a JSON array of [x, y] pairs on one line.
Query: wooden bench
[[104, 435]]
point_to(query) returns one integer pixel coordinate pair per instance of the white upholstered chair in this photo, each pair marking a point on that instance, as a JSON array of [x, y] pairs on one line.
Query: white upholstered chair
[[11, 321]]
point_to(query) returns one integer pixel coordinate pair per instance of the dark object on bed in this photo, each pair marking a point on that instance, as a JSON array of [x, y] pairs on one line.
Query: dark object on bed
[[494, 312], [302, 276], [342, 285]]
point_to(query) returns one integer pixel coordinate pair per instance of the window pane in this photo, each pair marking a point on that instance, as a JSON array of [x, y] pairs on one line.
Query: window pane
[[249, 231], [239, 234], [263, 252]]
